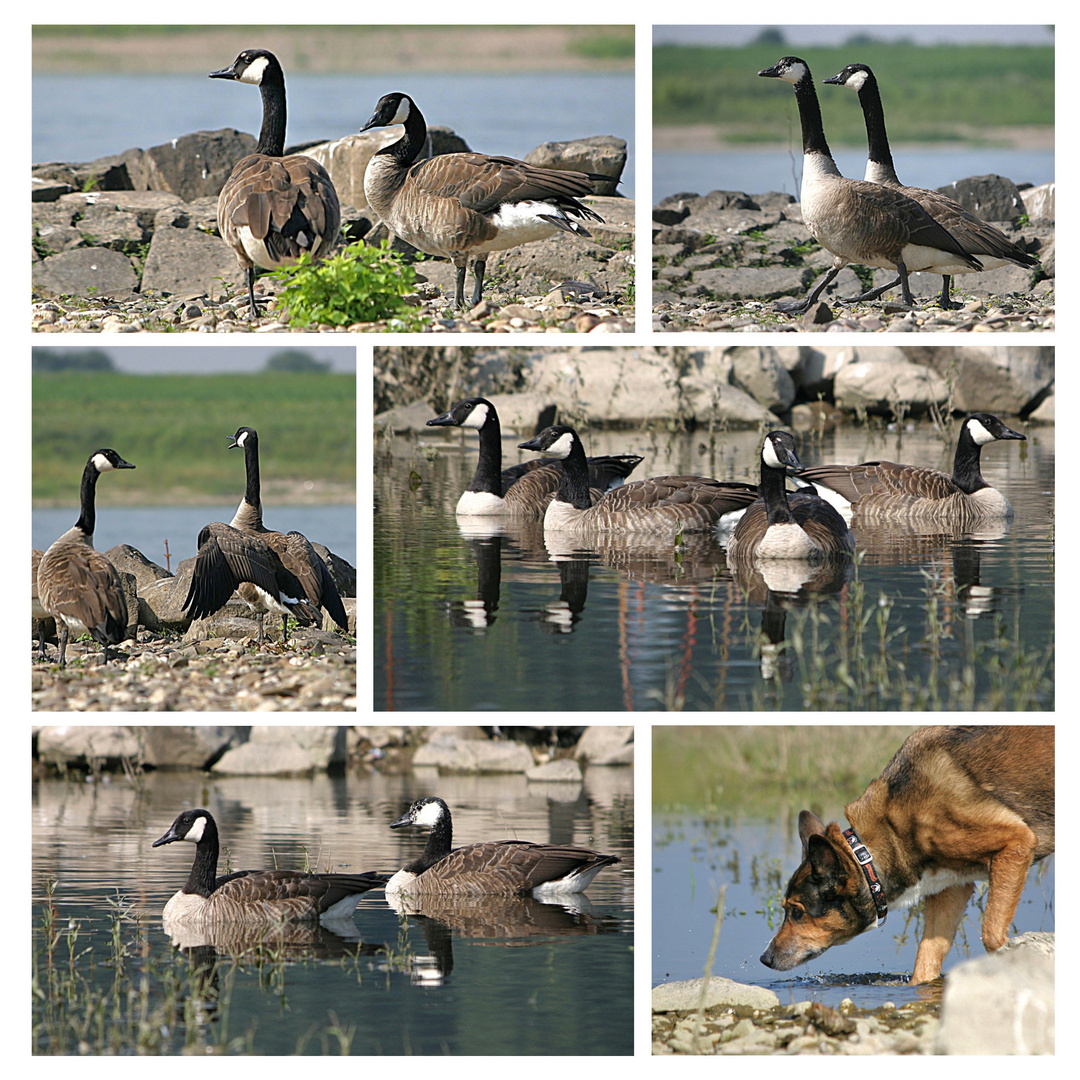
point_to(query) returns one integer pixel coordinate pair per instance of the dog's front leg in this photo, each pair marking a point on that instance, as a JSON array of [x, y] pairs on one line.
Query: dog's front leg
[[944, 910], [1008, 874]]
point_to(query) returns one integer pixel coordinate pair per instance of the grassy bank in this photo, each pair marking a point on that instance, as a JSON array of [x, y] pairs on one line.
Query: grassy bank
[[335, 49], [755, 768], [930, 93], [175, 429]]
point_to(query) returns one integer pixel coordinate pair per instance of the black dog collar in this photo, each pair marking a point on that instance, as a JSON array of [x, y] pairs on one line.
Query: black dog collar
[[866, 861]]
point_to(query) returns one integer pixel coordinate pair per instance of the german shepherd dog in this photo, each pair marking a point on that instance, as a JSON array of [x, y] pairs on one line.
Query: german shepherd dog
[[954, 806]]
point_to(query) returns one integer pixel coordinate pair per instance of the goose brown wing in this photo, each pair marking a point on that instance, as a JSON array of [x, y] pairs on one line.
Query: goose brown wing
[[85, 587], [657, 491], [324, 890], [288, 203], [534, 864], [882, 478], [482, 183], [302, 561], [228, 557]]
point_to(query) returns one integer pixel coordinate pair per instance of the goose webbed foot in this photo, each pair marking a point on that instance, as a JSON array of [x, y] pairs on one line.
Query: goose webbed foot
[[792, 307]]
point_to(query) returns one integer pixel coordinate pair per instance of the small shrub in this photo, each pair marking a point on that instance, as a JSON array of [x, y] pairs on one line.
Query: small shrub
[[359, 284]]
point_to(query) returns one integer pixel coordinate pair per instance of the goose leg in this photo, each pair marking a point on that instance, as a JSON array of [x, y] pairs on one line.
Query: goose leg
[[905, 288], [285, 629], [459, 285], [253, 309], [63, 628], [945, 301], [800, 307], [478, 270], [872, 294]]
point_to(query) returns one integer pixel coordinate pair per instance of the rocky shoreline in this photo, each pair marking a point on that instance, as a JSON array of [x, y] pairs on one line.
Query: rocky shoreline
[[128, 244], [719, 260], [998, 1004]]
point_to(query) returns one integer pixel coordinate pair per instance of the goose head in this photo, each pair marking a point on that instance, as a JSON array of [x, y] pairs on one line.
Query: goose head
[[244, 436], [985, 428], [428, 811], [557, 441], [789, 68], [106, 460], [854, 76], [392, 109], [191, 825], [778, 451], [471, 413], [255, 66]]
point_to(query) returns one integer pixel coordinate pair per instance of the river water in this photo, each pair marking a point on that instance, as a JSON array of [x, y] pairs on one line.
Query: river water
[[468, 617]]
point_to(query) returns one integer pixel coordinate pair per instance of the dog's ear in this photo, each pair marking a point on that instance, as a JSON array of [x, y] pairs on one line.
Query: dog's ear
[[824, 861], [809, 825]]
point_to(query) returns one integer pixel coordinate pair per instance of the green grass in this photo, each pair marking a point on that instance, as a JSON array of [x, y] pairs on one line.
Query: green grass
[[175, 428], [929, 93]]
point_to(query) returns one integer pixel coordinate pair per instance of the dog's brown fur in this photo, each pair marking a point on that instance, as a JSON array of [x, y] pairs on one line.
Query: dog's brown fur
[[955, 805]]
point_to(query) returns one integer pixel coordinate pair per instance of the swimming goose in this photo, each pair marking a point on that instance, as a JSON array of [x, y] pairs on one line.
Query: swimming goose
[[782, 526], [856, 221], [977, 237], [661, 504], [498, 867], [881, 491], [274, 207], [457, 205], [77, 585], [522, 490], [292, 548], [255, 895]]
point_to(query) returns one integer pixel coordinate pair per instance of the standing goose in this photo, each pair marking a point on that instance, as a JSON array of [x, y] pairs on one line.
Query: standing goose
[[259, 896], [457, 205], [292, 548], [882, 491], [274, 207], [977, 237], [782, 526], [77, 585], [856, 221], [494, 868], [522, 490], [661, 504]]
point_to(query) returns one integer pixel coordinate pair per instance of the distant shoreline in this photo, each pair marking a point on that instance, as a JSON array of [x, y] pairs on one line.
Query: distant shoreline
[[337, 49], [685, 138]]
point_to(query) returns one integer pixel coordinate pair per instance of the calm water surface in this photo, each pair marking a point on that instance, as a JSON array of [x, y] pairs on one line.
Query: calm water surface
[[83, 117], [756, 171], [487, 617], [514, 978], [693, 856], [148, 528]]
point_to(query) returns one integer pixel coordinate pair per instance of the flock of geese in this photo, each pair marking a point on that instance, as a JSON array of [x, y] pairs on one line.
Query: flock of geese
[[270, 571], [275, 207], [493, 868], [585, 496], [877, 221]]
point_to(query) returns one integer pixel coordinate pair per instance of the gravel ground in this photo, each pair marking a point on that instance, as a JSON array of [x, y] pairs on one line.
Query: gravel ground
[[316, 672]]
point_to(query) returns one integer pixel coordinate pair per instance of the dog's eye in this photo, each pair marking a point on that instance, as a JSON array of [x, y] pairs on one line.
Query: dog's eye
[[796, 914]]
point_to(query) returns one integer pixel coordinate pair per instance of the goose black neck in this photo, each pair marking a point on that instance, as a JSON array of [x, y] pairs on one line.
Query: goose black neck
[[877, 140], [439, 843], [574, 486], [410, 146], [488, 476], [272, 135], [87, 513], [203, 874], [253, 490], [772, 491], [967, 471], [813, 130]]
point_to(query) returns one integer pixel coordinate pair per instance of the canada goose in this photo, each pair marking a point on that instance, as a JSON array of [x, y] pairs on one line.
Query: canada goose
[[255, 895], [292, 548], [664, 504], [779, 526], [77, 585], [977, 237], [270, 572], [498, 867], [274, 207], [522, 490], [880, 491], [457, 205], [859, 222]]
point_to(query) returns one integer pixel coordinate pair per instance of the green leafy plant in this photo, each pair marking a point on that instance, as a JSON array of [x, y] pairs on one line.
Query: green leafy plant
[[359, 284]]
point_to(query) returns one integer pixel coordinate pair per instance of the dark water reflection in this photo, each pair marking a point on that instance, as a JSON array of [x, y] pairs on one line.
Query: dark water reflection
[[519, 977], [474, 614]]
